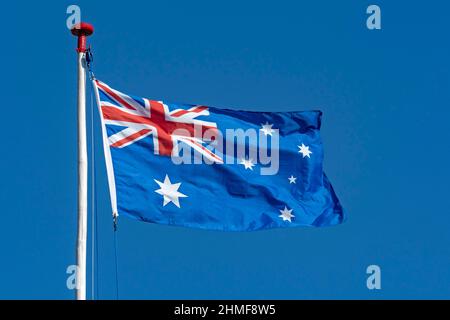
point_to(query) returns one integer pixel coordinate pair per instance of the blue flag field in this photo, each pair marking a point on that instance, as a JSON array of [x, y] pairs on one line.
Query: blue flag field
[[211, 168]]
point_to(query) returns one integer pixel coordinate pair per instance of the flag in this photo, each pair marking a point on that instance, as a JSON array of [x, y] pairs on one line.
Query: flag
[[214, 168]]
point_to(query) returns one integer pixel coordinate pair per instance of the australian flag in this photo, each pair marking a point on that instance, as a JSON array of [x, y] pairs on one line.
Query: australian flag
[[211, 168]]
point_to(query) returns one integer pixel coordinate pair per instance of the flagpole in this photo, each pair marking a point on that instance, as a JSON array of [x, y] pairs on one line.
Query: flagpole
[[82, 30]]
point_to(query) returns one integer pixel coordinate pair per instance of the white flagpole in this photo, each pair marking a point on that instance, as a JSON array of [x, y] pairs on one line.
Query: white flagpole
[[82, 30]]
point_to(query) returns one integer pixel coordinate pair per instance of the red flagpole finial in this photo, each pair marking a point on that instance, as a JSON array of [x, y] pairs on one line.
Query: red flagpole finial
[[82, 30]]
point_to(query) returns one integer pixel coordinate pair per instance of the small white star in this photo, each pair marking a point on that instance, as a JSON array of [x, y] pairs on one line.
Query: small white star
[[286, 214], [304, 150], [267, 129], [292, 180], [248, 164], [170, 191]]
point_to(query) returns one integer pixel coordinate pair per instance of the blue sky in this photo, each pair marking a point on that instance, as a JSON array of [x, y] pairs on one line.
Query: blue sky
[[385, 98]]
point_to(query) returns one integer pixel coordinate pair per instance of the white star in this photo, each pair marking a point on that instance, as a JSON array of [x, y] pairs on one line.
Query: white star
[[286, 214], [292, 179], [248, 164], [304, 150], [170, 191], [267, 129]]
